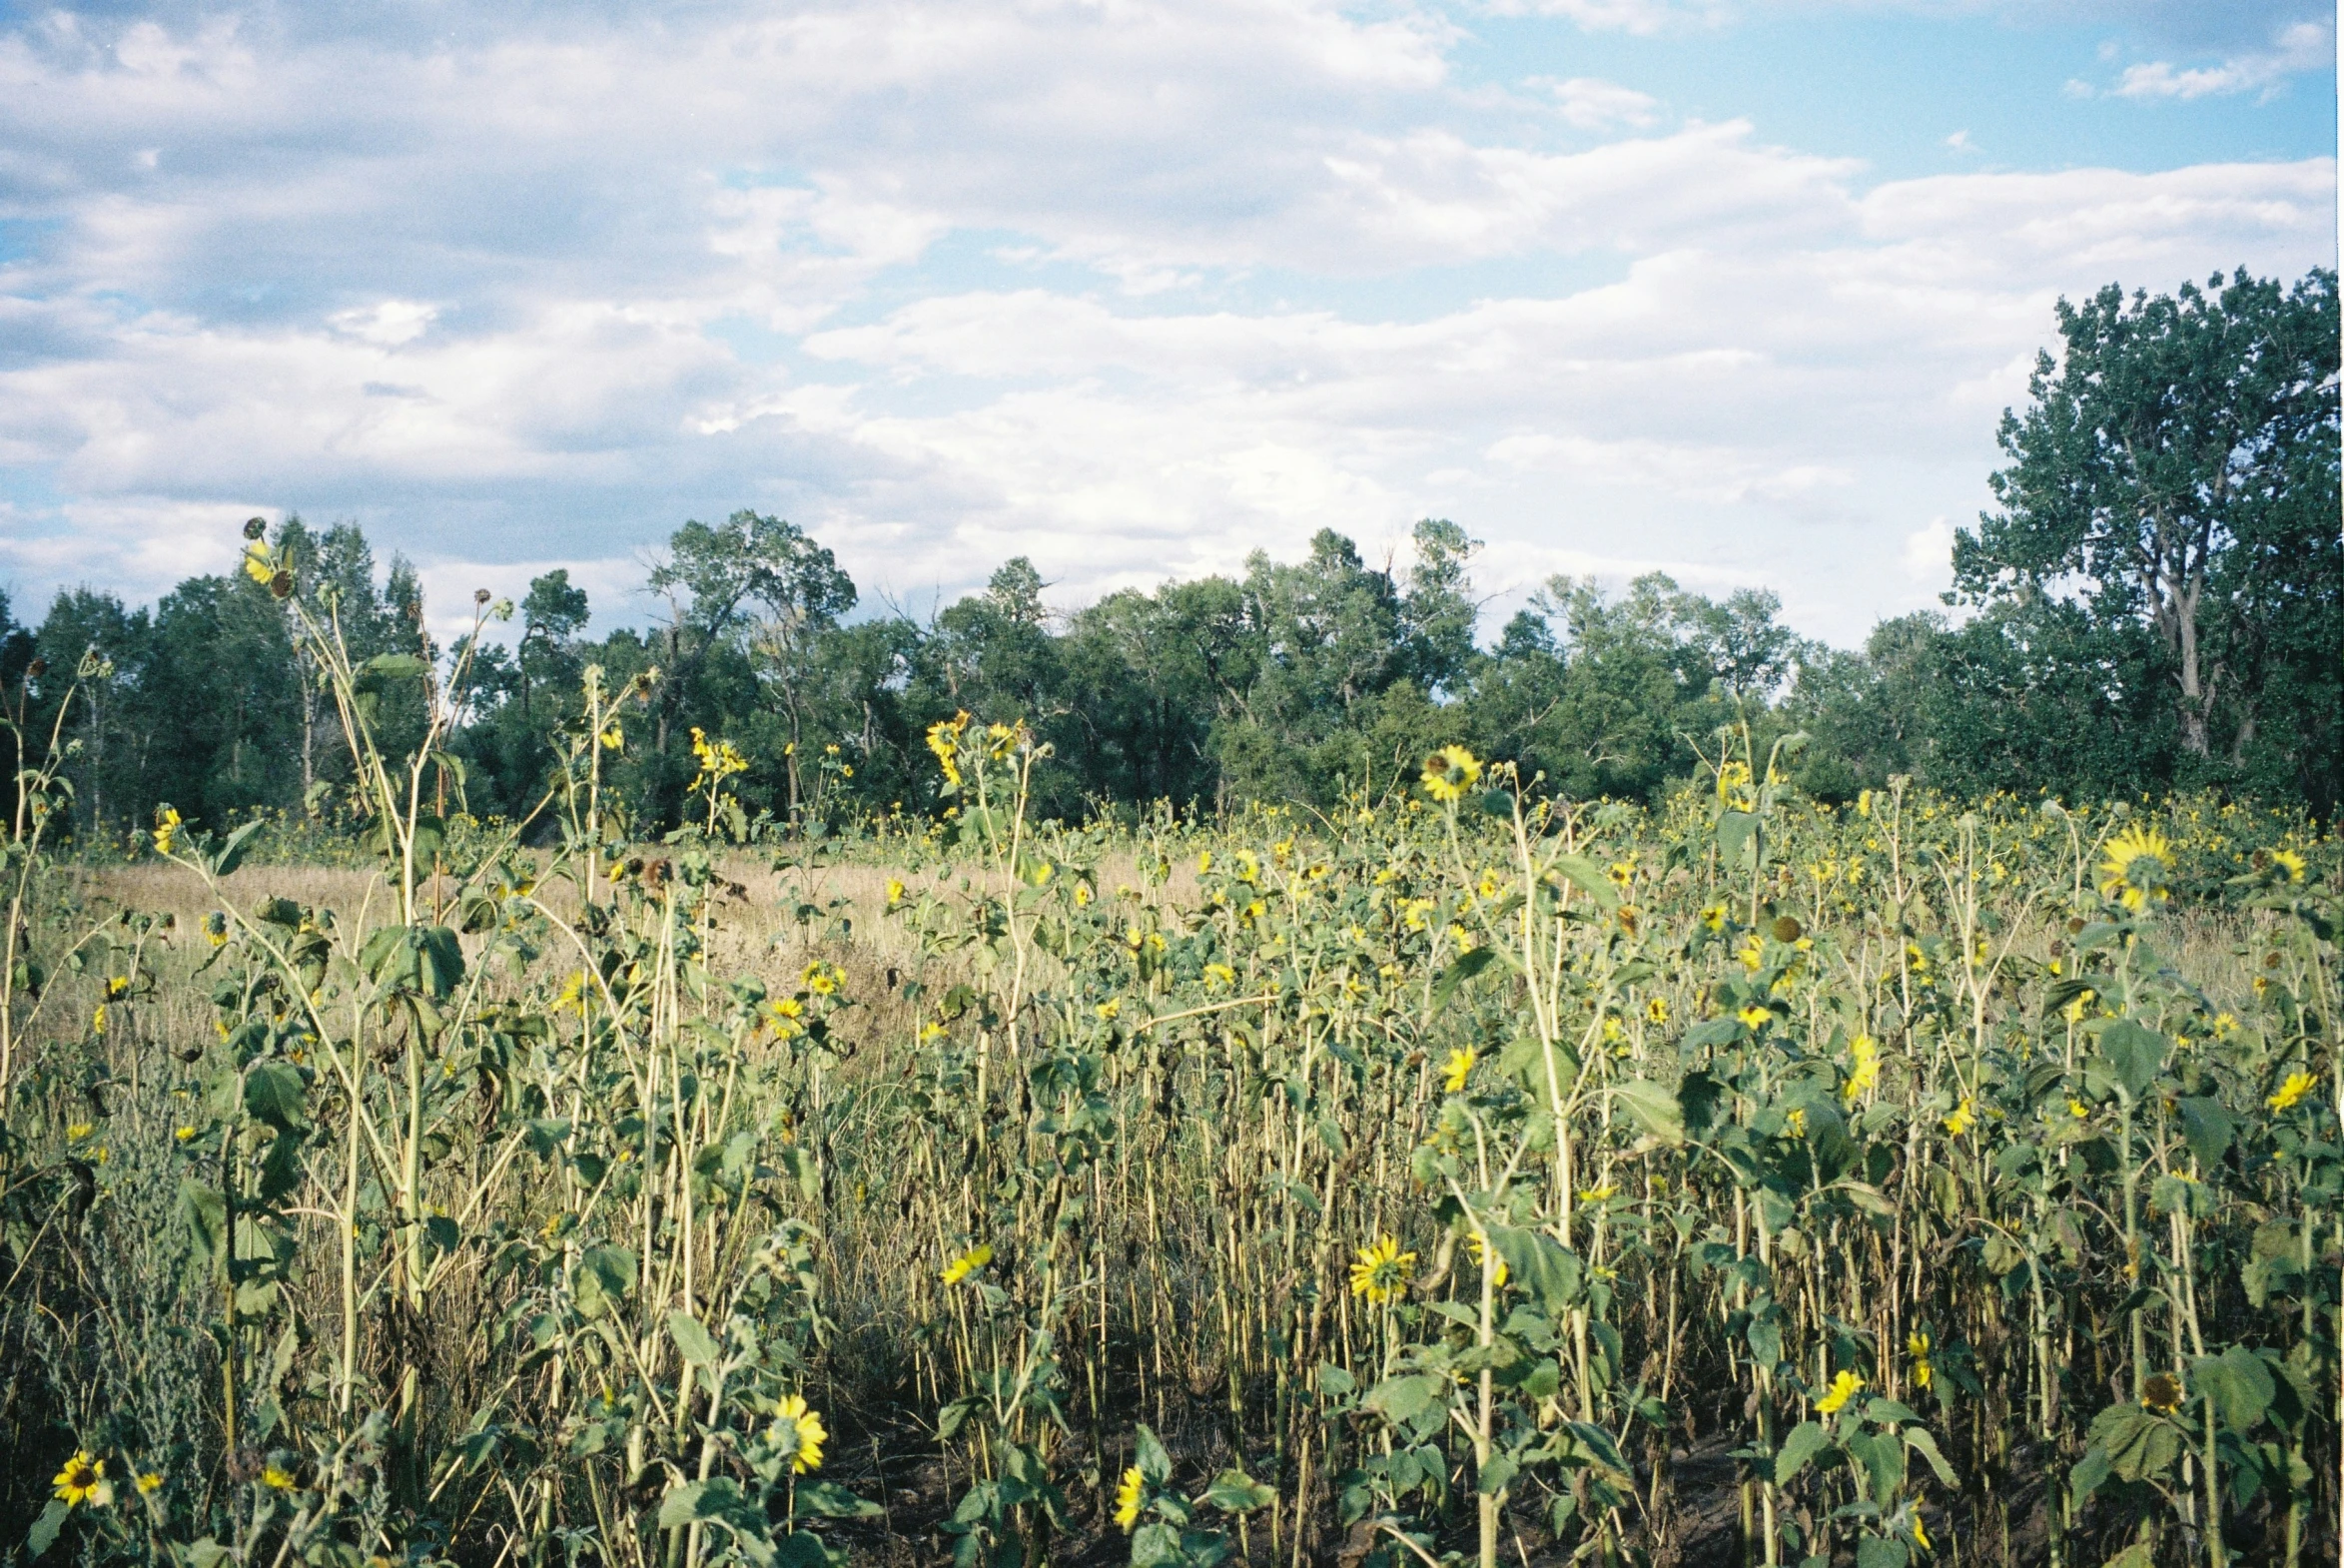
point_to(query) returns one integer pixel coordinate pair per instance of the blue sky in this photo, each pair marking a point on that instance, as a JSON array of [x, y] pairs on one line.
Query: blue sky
[[1730, 289]]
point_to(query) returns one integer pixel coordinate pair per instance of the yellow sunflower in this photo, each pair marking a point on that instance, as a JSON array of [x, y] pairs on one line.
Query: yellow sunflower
[[83, 1480], [1382, 1270], [802, 1427], [1127, 1496], [1844, 1387], [2138, 861], [1449, 773], [966, 1263]]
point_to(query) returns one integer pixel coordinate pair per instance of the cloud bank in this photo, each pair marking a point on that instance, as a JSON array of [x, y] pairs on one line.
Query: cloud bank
[[1127, 286]]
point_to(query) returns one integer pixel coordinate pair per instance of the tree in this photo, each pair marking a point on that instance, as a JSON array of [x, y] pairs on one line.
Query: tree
[[2177, 470], [718, 580], [552, 614]]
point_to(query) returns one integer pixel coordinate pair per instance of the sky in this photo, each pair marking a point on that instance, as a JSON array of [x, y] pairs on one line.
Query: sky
[[1735, 290]]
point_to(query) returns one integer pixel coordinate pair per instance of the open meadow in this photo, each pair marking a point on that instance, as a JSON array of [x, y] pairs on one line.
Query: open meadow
[[1458, 1175]]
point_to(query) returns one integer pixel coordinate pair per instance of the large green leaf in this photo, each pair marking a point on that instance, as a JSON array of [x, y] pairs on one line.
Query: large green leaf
[[1655, 1108], [1805, 1443], [2134, 1055], [2238, 1383]]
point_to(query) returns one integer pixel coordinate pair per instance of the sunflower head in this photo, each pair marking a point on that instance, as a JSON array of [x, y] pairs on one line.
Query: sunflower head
[[2139, 862], [83, 1480], [1130, 1494], [1449, 773], [799, 1429], [1844, 1387], [2162, 1393], [1381, 1272], [966, 1263]]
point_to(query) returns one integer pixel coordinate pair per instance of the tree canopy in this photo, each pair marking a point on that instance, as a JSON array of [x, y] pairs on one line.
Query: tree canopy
[[2156, 601]]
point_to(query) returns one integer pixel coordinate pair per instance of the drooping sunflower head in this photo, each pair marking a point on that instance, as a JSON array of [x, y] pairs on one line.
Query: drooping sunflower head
[[1130, 1494], [2140, 860], [799, 1430], [1844, 1387], [1449, 773], [1458, 1068], [966, 1263]]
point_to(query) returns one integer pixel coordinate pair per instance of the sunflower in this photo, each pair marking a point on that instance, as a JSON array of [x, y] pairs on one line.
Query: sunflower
[[1962, 1120], [1866, 1072], [1917, 1345], [1844, 1387], [1382, 1270], [2289, 861], [966, 1263], [167, 825], [1656, 1011], [802, 1428], [944, 738], [2297, 1086], [2162, 1393], [2140, 860], [1481, 1258], [1127, 1497], [83, 1480], [1449, 772], [1458, 1068]]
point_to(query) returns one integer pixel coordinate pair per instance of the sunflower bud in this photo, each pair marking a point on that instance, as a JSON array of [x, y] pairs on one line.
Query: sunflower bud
[[254, 527]]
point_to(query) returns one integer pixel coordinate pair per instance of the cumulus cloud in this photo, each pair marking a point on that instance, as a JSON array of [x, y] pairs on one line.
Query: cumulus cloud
[[2300, 47], [951, 282], [1592, 104]]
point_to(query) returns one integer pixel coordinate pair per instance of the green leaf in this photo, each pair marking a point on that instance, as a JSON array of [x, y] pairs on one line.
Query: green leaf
[[2209, 1128], [1736, 838], [829, 1500], [800, 1165], [2238, 1385], [230, 853], [1805, 1442], [1882, 1551], [274, 1093], [204, 1210], [1401, 1399], [1234, 1491], [1655, 1109], [695, 1342], [1155, 1545], [2137, 1441], [2134, 1055], [683, 1505], [1465, 967], [44, 1531], [1589, 878], [1148, 1455], [606, 1275], [1917, 1439]]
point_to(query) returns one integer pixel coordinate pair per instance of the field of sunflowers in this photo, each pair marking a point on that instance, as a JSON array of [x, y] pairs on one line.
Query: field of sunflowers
[[1465, 1176]]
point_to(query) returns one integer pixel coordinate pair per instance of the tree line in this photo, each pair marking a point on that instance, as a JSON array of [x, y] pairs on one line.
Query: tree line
[[2155, 601]]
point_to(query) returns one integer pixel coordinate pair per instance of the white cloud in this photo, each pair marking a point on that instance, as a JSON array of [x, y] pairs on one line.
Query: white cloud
[[1133, 287], [387, 324], [2300, 47], [1928, 550], [1592, 104]]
